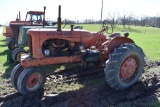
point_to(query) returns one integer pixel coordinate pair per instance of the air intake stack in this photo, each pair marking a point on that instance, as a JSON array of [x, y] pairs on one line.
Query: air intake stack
[[59, 19]]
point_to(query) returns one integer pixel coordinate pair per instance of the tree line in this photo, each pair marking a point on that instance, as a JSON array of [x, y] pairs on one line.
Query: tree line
[[125, 20]]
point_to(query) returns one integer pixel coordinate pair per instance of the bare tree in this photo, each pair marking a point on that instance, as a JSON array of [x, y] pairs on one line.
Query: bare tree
[[123, 20], [158, 22], [114, 17], [143, 21]]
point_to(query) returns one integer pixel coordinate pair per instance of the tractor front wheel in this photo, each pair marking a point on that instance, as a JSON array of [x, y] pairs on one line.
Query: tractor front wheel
[[15, 75], [31, 79], [12, 44], [124, 66], [17, 53]]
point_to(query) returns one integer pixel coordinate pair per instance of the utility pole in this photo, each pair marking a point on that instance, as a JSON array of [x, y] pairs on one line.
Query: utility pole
[[101, 15]]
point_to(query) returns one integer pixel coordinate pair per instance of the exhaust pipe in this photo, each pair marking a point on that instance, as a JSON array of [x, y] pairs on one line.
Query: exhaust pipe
[[59, 19], [44, 16], [19, 16]]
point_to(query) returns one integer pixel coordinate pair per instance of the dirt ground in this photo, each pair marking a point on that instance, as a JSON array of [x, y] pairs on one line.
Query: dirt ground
[[70, 90]]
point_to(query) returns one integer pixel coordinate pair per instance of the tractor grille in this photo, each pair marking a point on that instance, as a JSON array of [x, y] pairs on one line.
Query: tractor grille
[[30, 44]]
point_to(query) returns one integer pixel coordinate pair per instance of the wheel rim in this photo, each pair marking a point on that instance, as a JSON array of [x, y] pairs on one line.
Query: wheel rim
[[13, 45], [34, 81], [129, 69], [18, 56]]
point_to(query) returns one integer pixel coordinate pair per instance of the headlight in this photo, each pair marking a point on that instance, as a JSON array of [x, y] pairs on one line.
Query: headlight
[[81, 48], [47, 52]]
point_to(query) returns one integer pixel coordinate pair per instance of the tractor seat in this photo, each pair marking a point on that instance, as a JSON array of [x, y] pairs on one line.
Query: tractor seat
[[78, 27], [115, 35]]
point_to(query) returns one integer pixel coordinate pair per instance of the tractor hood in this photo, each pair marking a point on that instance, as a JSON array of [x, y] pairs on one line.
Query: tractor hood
[[23, 23], [76, 35], [17, 22], [53, 32]]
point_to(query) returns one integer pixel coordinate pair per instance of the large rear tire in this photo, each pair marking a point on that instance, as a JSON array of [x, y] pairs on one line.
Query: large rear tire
[[124, 66], [31, 79], [15, 75], [17, 53]]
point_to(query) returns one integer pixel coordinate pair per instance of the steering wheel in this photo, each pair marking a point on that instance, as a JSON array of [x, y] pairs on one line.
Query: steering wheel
[[108, 26], [66, 22]]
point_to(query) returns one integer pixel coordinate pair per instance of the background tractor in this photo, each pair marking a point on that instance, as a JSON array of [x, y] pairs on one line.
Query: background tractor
[[33, 18], [122, 59]]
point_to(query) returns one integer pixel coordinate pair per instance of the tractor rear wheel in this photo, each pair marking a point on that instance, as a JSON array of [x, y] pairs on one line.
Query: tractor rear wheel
[[17, 53], [124, 66], [12, 44], [15, 75], [31, 79]]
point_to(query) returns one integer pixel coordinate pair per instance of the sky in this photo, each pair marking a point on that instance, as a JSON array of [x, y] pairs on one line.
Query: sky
[[78, 9]]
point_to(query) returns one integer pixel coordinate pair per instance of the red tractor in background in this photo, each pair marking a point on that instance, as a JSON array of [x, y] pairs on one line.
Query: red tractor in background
[[122, 59], [33, 18]]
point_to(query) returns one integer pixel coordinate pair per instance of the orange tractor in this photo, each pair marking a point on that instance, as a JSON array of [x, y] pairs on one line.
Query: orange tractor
[[122, 59]]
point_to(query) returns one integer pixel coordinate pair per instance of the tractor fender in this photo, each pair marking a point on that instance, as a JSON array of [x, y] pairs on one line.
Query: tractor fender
[[117, 41]]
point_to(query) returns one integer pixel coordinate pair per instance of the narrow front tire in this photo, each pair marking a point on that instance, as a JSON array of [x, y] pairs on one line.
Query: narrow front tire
[[31, 79]]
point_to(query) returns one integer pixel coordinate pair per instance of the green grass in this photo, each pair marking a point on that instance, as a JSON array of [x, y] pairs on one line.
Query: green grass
[[5, 65]]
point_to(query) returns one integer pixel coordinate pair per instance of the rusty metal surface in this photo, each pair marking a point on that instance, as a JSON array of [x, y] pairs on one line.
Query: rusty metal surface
[[38, 38], [29, 62]]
